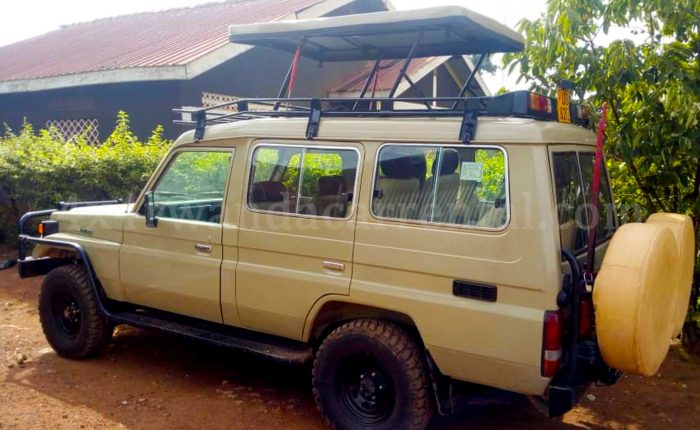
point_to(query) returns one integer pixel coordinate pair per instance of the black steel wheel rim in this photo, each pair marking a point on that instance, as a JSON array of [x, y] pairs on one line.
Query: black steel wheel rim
[[365, 390], [66, 312]]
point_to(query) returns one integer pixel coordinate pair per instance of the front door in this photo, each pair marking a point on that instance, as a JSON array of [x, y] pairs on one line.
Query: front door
[[297, 229], [176, 266]]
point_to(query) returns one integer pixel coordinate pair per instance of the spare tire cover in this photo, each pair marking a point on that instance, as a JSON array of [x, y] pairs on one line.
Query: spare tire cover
[[683, 231], [634, 308]]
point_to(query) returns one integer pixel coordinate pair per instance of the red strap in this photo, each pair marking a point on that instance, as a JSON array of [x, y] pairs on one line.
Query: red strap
[[595, 190], [293, 75]]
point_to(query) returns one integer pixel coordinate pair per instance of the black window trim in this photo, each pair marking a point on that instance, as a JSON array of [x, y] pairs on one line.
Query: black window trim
[[424, 223], [353, 208]]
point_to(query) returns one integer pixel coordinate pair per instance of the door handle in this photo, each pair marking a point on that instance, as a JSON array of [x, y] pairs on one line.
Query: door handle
[[332, 265], [203, 247]]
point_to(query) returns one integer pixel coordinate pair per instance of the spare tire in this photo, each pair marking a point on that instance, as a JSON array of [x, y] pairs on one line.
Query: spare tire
[[682, 228], [634, 308]]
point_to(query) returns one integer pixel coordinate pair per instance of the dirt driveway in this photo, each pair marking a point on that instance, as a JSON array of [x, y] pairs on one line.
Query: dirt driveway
[[148, 380]]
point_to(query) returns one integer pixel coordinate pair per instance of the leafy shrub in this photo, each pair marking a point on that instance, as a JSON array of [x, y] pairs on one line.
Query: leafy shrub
[[40, 169]]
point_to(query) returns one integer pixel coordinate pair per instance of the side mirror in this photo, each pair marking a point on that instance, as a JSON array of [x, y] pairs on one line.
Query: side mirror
[[149, 203]]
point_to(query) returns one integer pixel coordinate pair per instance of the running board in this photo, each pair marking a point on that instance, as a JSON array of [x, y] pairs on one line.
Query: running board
[[275, 348]]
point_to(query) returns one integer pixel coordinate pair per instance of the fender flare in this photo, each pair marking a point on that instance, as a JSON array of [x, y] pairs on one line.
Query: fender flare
[[33, 267]]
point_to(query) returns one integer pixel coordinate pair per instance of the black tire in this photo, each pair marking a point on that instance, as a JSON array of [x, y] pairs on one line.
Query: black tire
[[371, 374], [70, 317]]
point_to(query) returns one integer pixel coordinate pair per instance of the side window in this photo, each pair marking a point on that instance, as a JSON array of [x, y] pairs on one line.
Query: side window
[[569, 197], [192, 187], [573, 181], [606, 222], [441, 184], [307, 181]]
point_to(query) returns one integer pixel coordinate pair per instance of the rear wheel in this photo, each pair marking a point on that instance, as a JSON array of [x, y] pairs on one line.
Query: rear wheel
[[370, 374], [70, 316]]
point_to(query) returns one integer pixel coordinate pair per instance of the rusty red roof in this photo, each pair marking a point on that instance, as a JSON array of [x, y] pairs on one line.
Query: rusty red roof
[[389, 70], [172, 37]]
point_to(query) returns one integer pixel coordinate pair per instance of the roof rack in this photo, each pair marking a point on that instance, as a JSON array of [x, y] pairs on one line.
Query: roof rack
[[521, 104], [380, 36]]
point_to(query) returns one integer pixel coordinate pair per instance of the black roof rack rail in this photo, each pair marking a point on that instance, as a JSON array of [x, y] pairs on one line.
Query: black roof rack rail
[[522, 104]]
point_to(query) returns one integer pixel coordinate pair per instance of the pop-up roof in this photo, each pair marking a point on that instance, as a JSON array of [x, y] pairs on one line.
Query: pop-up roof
[[449, 30]]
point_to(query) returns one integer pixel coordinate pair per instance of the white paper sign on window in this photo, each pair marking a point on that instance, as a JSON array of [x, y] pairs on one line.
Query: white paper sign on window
[[471, 171]]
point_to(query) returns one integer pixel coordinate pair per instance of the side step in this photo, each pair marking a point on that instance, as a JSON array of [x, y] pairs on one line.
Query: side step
[[273, 347]]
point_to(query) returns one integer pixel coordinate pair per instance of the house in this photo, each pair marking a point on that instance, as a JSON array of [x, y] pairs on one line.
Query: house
[[82, 74]]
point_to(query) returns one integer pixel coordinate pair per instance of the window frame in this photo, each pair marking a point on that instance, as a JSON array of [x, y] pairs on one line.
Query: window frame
[[249, 170], [577, 149], [158, 176], [506, 180]]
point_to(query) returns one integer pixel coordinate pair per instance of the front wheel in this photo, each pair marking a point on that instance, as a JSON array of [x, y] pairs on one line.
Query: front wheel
[[370, 374], [70, 316]]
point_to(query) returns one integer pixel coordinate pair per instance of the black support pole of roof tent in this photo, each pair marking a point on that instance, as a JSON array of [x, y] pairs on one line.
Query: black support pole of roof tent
[[406, 63], [368, 81], [470, 78]]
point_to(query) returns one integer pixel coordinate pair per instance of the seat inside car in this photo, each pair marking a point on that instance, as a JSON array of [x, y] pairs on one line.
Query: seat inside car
[[269, 196], [332, 196], [397, 193]]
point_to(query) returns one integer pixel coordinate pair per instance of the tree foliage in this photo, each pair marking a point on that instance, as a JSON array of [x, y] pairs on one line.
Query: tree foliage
[[39, 169], [650, 79]]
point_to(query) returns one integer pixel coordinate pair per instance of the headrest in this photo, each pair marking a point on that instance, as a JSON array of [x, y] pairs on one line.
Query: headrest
[[268, 191], [403, 163], [331, 185], [450, 162]]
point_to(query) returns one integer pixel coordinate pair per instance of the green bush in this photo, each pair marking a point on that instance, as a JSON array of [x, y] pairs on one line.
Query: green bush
[[39, 169]]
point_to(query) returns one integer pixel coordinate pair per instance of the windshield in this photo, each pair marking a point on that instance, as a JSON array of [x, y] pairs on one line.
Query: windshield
[[573, 182]]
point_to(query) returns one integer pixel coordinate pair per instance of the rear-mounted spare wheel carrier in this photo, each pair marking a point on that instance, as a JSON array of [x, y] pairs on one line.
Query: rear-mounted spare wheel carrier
[[636, 297]]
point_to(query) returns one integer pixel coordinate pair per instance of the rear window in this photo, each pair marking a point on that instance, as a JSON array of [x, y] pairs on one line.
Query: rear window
[[573, 182], [442, 184]]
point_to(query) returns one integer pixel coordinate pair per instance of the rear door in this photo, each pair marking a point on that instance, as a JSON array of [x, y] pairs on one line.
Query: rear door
[[297, 228]]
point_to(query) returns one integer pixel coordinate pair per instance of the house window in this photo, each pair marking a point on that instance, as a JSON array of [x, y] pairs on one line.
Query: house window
[[442, 184], [68, 129]]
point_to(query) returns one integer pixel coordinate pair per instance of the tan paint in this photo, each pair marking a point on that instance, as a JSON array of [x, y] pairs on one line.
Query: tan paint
[[275, 272]]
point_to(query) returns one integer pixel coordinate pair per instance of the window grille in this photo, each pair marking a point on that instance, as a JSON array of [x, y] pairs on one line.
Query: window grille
[[67, 129]]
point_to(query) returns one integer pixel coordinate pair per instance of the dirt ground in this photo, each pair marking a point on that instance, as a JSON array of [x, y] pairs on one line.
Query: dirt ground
[[148, 380]]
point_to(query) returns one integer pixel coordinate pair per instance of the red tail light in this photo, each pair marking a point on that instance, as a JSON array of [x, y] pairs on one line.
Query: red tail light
[[540, 103], [551, 344]]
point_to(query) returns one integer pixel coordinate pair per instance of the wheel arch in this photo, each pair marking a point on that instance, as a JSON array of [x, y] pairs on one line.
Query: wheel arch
[[41, 251], [326, 316]]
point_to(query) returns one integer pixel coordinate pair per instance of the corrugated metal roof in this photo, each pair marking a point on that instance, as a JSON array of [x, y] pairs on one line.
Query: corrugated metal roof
[[389, 70], [172, 37]]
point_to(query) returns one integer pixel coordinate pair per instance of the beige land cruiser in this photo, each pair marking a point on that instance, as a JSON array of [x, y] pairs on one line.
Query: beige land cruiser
[[422, 254]]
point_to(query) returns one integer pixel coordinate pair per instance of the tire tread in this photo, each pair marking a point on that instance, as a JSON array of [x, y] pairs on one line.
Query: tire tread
[[407, 351]]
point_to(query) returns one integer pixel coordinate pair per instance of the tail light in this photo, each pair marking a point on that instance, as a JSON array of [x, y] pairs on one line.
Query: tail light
[[540, 103], [586, 317], [552, 343]]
